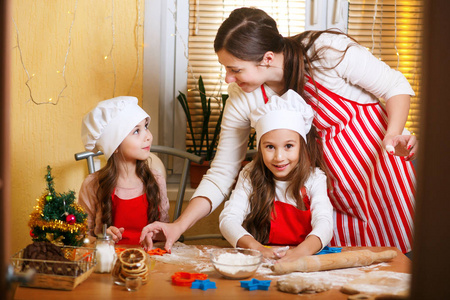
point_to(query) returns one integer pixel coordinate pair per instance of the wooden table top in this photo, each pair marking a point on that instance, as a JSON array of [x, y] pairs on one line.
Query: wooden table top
[[159, 286]]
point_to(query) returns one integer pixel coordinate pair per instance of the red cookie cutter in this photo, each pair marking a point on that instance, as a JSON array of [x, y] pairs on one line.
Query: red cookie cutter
[[157, 251], [186, 279], [119, 250]]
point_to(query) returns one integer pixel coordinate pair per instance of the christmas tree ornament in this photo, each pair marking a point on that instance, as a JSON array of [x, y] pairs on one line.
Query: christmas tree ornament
[[71, 219], [57, 218]]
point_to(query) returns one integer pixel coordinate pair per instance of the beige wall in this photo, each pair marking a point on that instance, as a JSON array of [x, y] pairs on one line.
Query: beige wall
[[50, 134]]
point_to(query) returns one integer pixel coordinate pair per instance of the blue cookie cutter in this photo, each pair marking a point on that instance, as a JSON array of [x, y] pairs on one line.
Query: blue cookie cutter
[[256, 284], [328, 250], [203, 284]]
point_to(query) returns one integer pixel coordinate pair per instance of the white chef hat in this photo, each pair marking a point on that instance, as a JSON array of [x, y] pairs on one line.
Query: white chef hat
[[108, 124], [289, 111]]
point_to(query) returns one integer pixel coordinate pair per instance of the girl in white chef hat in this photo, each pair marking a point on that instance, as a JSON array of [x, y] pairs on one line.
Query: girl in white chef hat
[[281, 196], [125, 194]]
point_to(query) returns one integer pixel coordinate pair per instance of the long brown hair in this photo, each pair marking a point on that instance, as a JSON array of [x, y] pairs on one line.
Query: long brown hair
[[248, 33], [107, 180], [262, 181]]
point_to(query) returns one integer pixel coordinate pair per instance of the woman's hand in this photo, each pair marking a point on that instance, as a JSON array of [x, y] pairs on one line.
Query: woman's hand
[[171, 231], [116, 233], [198, 208], [402, 145]]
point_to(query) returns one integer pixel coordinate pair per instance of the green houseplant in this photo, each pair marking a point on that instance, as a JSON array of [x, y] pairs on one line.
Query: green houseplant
[[203, 143]]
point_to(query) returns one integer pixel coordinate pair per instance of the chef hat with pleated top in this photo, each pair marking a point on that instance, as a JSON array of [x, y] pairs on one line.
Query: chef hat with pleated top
[[108, 124], [289, 111]]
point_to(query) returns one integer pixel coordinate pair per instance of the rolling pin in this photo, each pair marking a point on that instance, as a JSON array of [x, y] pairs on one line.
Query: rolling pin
[[347, 259]]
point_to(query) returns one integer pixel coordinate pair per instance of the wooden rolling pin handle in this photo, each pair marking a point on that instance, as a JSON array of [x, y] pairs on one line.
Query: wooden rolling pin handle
[[348, 259]]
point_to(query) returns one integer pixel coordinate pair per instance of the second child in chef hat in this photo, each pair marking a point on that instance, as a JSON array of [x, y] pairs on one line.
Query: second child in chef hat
[[281, 196], [125, 195]]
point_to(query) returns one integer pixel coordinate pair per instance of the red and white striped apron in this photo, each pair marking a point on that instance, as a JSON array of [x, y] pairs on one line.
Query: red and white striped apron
[[373, 192]]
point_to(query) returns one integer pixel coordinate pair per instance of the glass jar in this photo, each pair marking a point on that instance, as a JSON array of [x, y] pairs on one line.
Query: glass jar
[[105, 254]]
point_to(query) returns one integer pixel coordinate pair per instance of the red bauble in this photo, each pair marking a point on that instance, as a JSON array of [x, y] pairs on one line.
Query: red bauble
[[32, 234], [71, 219]]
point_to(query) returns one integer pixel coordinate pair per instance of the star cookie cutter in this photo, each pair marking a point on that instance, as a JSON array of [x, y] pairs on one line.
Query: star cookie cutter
[[256, 284], [203, 284], [327, 250]]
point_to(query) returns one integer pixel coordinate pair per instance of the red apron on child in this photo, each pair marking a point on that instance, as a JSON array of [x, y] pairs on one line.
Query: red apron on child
[[290, 225], [373, 192], [130, 214]]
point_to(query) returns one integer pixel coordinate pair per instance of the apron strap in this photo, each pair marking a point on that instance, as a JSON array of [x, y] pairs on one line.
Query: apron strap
[[263, 90]]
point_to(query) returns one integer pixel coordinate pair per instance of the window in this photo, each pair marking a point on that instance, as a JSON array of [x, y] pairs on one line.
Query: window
[[205, 18], [392, 30], [176, 31]]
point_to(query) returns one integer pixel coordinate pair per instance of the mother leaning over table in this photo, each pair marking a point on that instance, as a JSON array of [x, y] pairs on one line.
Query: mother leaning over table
[[365, 145]]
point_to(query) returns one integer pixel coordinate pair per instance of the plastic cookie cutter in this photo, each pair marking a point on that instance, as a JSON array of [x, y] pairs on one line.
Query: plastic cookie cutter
[[203, 284], [157, 251], [119, 250], [186, 279], [328, 250], [256, 284]]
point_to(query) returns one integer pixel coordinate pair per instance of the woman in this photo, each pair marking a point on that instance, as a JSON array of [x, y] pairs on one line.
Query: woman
[[373, 189]]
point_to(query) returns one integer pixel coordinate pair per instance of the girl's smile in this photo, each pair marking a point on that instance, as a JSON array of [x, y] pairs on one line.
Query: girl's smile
[[281, 151]]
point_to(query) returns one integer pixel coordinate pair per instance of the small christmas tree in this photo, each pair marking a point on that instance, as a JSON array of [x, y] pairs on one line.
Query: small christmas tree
[[57, 218]]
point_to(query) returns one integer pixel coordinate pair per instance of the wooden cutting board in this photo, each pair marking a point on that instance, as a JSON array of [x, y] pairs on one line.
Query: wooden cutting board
[[379, 285]]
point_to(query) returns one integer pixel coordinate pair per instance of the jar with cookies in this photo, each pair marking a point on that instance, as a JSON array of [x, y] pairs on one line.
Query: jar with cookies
[[131, 263]]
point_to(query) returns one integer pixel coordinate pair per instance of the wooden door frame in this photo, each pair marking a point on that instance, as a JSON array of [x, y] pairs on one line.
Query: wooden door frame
[[432, 220], [4, 145]]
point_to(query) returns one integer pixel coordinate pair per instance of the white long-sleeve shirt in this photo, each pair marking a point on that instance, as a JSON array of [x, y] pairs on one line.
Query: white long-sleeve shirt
[[238, 207], [359, 77]]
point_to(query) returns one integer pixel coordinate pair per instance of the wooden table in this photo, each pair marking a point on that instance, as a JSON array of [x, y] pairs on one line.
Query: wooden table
[[101, 286]]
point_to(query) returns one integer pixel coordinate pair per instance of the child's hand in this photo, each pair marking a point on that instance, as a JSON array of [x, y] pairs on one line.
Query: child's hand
[[291, 255], [309, 246], [268, 253], [116, 233]]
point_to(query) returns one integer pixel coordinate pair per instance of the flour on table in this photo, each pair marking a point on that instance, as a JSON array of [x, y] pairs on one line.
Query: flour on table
[[181, 255], [315, 282], [380, 283], [296, 282]]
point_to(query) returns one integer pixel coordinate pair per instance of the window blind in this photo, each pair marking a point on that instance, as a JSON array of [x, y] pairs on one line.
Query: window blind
[[205, 17], [392, 30]]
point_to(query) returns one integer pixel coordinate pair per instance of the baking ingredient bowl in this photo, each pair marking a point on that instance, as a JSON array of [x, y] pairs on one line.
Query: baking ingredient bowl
[[236, 263]]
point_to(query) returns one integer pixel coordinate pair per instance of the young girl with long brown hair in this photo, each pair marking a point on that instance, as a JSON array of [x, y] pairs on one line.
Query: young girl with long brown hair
[[281, 196], [125, 194]]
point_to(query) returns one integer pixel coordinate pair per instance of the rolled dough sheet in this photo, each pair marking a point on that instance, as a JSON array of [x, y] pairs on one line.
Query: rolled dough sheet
[[380, 283]]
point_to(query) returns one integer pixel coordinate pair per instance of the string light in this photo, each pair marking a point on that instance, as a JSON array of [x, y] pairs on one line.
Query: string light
[[381, 32], [63, 73], [110, 54], [136, 36], [395, 34], [373, 23]]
